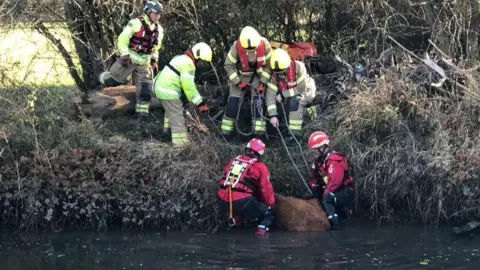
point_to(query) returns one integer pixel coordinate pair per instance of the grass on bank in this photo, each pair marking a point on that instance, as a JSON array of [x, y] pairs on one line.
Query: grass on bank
[[26, 56]]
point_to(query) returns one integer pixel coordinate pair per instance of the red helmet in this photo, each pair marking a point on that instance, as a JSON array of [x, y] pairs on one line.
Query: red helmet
[[257, 146], [317, 139]]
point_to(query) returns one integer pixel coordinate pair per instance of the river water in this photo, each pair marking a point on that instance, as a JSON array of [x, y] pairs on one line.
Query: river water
[[358, 246]]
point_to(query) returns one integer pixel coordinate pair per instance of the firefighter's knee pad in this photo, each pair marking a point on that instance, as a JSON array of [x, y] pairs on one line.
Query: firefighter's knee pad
[[293, 104], [145, 91], [232, 107]]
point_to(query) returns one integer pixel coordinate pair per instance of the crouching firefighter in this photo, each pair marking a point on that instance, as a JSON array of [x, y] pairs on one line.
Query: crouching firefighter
[[175, 81], [138, 45], [331, 177], [247, 69], [291, 87], [245, 189]]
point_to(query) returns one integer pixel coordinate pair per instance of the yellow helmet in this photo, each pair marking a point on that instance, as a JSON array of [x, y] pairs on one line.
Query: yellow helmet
[[202, 51], [249, 38], [279, 60]]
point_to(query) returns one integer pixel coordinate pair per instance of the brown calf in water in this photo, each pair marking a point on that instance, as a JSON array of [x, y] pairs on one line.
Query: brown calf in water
[[296, 215]]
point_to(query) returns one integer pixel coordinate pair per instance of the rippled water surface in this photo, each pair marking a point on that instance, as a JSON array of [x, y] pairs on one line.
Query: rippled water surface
[[358, 246]]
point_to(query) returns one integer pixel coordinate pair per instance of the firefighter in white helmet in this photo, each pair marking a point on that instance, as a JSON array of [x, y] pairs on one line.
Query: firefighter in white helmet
[[176, 79], [247, 69], [291, 86]]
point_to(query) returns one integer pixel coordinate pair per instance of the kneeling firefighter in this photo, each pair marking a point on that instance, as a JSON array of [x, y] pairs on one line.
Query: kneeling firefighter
[[290, 86], [245, 188], [138, 44], [331, 177], [176, 78]]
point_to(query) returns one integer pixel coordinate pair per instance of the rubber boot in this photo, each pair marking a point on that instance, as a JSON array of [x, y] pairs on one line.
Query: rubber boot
[[335, 225], [261, 230]]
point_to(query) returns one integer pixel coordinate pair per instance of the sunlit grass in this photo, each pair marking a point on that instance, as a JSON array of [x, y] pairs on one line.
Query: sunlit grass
[[28, 58]]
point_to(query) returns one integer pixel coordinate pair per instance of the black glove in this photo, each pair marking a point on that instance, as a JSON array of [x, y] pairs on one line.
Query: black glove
[[154, 66]]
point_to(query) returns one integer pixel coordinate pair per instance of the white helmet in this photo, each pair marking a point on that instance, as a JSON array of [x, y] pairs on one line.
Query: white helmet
[[202, 51]]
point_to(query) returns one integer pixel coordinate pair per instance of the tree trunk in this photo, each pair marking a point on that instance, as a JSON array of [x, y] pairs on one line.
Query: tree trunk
[[328, 21], [291, 27]]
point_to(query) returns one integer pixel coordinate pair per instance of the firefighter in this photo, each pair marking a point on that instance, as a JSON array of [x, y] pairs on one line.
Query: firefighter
[[290, 86], [247, 69], [330, 177], [245, 189], [138, 45], [176, 80]]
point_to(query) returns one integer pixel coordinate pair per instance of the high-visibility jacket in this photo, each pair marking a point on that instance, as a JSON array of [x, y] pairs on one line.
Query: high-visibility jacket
[[169, 84], [132, 29], [234, 70], [299, 83]]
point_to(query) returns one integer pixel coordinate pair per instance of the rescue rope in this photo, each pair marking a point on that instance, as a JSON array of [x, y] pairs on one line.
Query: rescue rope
[[259, 104], [253, 104], [293, 162], [242, 96], [294, 137], [290, 156], [221, 134], [231, 220]]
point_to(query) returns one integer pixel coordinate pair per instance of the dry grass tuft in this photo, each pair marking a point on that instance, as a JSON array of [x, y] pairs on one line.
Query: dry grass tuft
[[415, 147]]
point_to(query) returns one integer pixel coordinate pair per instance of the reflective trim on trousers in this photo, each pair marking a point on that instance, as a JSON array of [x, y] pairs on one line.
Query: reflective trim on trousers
[[259, 125], [295, 124], [179, 138], [166, 122], [227, 125], [142, 107]]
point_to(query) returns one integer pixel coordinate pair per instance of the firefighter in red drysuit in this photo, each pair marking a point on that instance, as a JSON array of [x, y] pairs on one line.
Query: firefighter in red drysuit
[[245, 189], [331, 174]]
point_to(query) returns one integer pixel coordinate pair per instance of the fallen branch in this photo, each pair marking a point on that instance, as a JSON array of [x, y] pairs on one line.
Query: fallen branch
[[347, 65], [427, 62], [42, 29], [439, 83], [438, 49]]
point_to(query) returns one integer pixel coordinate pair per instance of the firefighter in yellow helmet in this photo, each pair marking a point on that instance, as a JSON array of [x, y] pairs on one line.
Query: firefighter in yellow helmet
[[247, 69], [290, 86], [138, 44], [175, 79]]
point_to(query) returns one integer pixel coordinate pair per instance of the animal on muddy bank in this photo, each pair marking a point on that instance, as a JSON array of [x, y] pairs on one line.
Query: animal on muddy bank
[[293, 214]]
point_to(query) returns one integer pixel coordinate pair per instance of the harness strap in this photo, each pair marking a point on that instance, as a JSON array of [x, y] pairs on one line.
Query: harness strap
[[173, 69], [235, 173], [231, 220], [238, 189], [144, 40]]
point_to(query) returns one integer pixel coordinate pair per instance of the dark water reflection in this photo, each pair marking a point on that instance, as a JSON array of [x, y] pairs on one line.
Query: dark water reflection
[[357, 247]]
